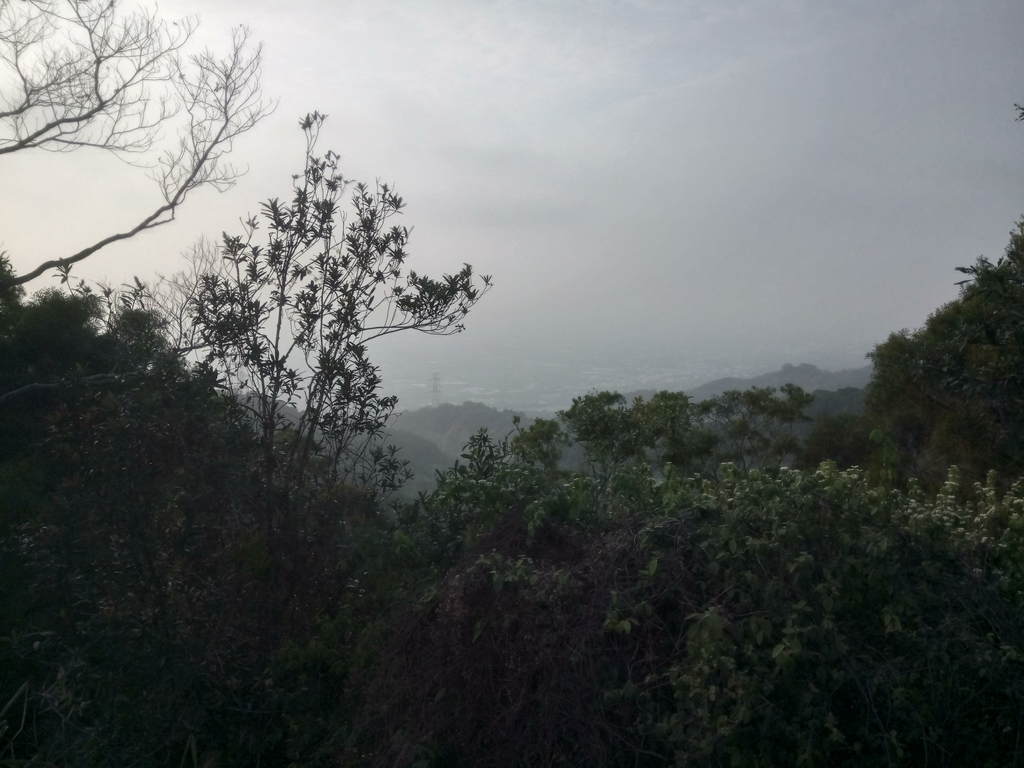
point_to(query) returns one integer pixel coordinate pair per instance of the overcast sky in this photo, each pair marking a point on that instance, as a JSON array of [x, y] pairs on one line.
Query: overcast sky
[[660, 189]]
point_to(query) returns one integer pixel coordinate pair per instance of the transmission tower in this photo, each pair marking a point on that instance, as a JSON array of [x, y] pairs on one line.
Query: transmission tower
[[436, 391]]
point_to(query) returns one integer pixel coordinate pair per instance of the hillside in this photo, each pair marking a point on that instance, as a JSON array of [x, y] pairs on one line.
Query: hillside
[[433, 438], [425, 460], [450, 426]]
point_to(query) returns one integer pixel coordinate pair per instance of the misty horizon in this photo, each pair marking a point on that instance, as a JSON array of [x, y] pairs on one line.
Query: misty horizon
[[535, 384], [664, 193]]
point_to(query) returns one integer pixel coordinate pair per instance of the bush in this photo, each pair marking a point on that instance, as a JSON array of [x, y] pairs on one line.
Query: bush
[[773, 618]]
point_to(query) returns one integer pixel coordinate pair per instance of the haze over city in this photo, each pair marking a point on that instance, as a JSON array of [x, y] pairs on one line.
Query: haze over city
[[663, 192]]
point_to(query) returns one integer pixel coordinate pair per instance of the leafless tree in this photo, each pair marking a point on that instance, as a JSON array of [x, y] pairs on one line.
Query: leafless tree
[[85, 73], [172, 297]]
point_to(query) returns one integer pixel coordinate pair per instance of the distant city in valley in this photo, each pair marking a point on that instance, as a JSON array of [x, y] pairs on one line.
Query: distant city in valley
[[546, 382]]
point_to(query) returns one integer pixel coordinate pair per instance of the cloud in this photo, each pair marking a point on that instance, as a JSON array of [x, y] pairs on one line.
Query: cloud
[[637, 174]]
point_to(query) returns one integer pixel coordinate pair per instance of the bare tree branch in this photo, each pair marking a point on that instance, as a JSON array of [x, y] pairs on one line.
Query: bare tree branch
[[87, 75], [84, 75], [171, 297]]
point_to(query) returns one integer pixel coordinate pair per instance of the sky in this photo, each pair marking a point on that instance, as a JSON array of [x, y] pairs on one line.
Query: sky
[[663, 192]]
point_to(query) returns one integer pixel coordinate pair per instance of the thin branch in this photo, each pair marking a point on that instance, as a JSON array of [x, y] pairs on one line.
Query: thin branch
[[94, 90], [97, 379]]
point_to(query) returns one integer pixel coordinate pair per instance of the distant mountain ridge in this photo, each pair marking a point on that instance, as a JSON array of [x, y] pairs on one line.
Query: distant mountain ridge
[[806, 376]]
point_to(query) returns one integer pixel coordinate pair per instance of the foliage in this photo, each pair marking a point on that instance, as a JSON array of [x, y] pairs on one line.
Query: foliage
[[543, 443], [9, 293], [186, 547], [603, 424], [472, 496], [753, 428], [844, 438], [991, 365], [132, 560], [771, 618], [673, 430], [288, 324], [831, 403], [951, 392], [833, 631]]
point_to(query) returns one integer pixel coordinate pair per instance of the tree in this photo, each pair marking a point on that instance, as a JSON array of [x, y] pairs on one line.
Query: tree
[[754, 428], [543, 443], [87, 74], [675, 433], [194, 521], [952, 392], [840, 437], [603, 424], [288, 323]]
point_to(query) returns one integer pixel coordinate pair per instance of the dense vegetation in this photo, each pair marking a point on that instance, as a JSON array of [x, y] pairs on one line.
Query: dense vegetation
[[206, 560]]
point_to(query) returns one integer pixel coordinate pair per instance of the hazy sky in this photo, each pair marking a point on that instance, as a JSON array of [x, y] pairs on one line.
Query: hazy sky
[[660, 189]]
